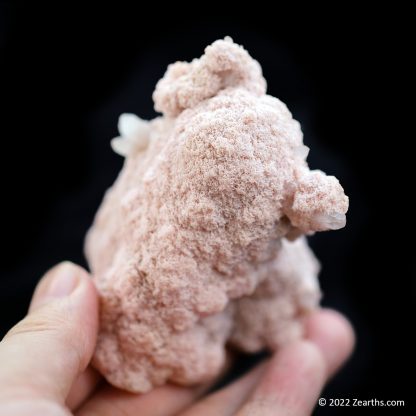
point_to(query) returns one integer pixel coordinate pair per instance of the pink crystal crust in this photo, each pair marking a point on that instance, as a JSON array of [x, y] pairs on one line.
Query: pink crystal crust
[[199, 243]]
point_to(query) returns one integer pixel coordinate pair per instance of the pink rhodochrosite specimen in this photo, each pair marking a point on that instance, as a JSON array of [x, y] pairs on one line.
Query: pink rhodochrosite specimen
[[199, 243]]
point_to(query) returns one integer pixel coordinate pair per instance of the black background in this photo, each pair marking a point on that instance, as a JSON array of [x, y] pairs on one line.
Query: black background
[[67, 74]]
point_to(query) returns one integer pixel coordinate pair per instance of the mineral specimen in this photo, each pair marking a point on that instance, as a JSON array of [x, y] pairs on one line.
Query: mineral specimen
[[199, 244]]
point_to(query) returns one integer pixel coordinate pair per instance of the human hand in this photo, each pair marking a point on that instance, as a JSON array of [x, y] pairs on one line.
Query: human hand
[[44, 364]]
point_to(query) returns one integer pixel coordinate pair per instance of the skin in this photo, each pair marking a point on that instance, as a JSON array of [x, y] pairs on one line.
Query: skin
[[45, 364]]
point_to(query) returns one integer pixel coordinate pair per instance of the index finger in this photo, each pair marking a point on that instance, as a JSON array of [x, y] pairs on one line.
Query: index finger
[[297, 374]]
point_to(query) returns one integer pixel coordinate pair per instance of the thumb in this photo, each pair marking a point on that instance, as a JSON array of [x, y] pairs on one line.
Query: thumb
[[43, 354]]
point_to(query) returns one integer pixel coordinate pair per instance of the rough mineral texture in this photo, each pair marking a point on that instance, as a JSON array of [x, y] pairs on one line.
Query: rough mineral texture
[[199, 243]]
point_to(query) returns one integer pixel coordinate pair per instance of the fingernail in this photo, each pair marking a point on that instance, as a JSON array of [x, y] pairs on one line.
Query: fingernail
[[64, 281], [58, 282]]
